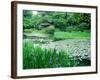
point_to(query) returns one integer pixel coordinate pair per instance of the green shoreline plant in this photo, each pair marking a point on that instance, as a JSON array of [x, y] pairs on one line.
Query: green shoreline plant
[[35, 57]]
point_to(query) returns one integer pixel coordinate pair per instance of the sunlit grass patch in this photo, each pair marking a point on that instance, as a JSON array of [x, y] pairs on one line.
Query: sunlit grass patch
[[71, 35]]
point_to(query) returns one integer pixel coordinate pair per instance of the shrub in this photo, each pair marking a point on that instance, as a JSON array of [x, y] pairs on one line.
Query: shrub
[[83, 26], [50, 30], [71, 28], [60, 23]]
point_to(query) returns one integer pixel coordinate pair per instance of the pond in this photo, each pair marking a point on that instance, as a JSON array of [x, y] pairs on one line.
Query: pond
[[79, 50]]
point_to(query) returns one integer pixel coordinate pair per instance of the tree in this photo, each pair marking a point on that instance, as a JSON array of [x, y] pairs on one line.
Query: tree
[[61, 20], [27, 19]]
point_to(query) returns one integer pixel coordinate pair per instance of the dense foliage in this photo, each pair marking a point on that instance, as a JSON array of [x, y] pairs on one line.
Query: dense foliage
[[65, 21]]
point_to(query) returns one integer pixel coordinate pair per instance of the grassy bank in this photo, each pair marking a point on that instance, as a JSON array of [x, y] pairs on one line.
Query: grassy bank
[[59, 35], [71, 35]]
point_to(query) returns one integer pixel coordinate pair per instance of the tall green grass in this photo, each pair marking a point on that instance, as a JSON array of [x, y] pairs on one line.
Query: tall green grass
[[36, 57]]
